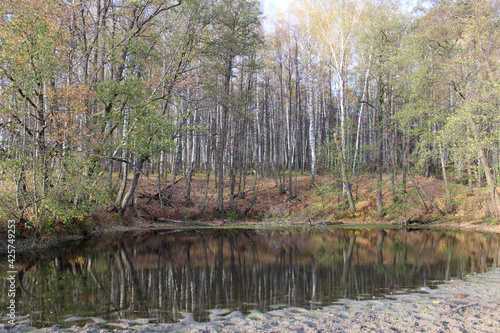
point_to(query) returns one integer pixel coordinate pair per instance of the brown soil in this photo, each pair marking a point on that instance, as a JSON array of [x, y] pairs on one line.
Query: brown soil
[[317, 204]]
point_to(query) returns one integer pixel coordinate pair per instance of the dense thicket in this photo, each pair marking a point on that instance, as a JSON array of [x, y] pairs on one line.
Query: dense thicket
[[94, 91]]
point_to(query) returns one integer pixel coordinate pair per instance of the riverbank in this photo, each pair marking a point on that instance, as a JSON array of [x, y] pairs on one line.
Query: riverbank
[[142, 225], [471, 305], [314, 206]]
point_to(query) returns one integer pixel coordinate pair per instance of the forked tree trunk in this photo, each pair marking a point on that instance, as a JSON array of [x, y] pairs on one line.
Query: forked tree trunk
[[449, 203], [135, 181], [345, 180]]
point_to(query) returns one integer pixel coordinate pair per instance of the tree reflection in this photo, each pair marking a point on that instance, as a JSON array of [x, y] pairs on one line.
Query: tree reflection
[[164, 275], [380, 246], [348, 257]]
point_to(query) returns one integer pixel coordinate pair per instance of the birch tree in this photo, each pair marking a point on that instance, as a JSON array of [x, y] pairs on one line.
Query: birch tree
[[336, 24], [308, 24]]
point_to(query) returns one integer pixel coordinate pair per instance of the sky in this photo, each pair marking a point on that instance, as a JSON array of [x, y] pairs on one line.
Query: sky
[[272, 8]]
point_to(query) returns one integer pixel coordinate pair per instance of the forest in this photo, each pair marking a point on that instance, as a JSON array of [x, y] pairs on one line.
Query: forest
[[99, 96]]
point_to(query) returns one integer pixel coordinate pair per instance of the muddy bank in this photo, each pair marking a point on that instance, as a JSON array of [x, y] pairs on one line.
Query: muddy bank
[[471, 305]]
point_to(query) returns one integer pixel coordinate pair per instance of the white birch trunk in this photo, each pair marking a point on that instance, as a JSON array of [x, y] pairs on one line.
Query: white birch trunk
[[361, 112], [310, 109]]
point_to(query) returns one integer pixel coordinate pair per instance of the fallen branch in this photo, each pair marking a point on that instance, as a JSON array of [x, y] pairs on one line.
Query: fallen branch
[[157, 195], [418, 193], [425, 194], [328, 223], [242, 193], [421, 221], [407, 221], [462, 307], [145, 211]]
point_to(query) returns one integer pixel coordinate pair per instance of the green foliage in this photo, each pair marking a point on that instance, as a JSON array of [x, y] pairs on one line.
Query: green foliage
[[328, 201], [233, 215], [150, 132], [399, 210], [327, 157], [68, 203]]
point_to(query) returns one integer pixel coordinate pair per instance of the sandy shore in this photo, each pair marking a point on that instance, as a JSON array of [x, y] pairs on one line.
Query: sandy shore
[[471, 305]]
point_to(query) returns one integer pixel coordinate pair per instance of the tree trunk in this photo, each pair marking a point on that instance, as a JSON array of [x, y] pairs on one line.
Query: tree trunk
[[224, 132], [379, 129], [495, 199], [133, 185], [123, 185], [310, 110], [449, 203], [361, 112], [345, 180], [380, 159]]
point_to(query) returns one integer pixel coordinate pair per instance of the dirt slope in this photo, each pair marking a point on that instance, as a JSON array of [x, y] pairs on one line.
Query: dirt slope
[[319, 203]]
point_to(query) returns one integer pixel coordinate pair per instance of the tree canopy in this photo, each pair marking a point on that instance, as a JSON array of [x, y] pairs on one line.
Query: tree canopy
[[92, 90]]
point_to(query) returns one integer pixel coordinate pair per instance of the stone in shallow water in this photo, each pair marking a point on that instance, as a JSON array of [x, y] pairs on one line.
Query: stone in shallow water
[[72, 319], [21, 318], [89, 328], [237, 321], [187, 318], [140, 321], [119, 325], [277, 313], [296, 310], [98, 320], [219, 312], [235, 314], [277, 306], [256, 315], [15, 328], [24, 322]]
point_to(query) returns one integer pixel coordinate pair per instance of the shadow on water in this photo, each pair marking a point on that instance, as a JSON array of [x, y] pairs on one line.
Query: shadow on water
[[163, 275]]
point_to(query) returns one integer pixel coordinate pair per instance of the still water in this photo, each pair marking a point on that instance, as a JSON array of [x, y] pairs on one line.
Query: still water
[[164, 274]]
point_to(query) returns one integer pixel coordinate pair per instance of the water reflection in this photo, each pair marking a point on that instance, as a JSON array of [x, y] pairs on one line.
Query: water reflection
[[162, 275]]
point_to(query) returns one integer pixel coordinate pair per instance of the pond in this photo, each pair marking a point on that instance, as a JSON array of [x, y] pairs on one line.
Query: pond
[[163, 274]]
